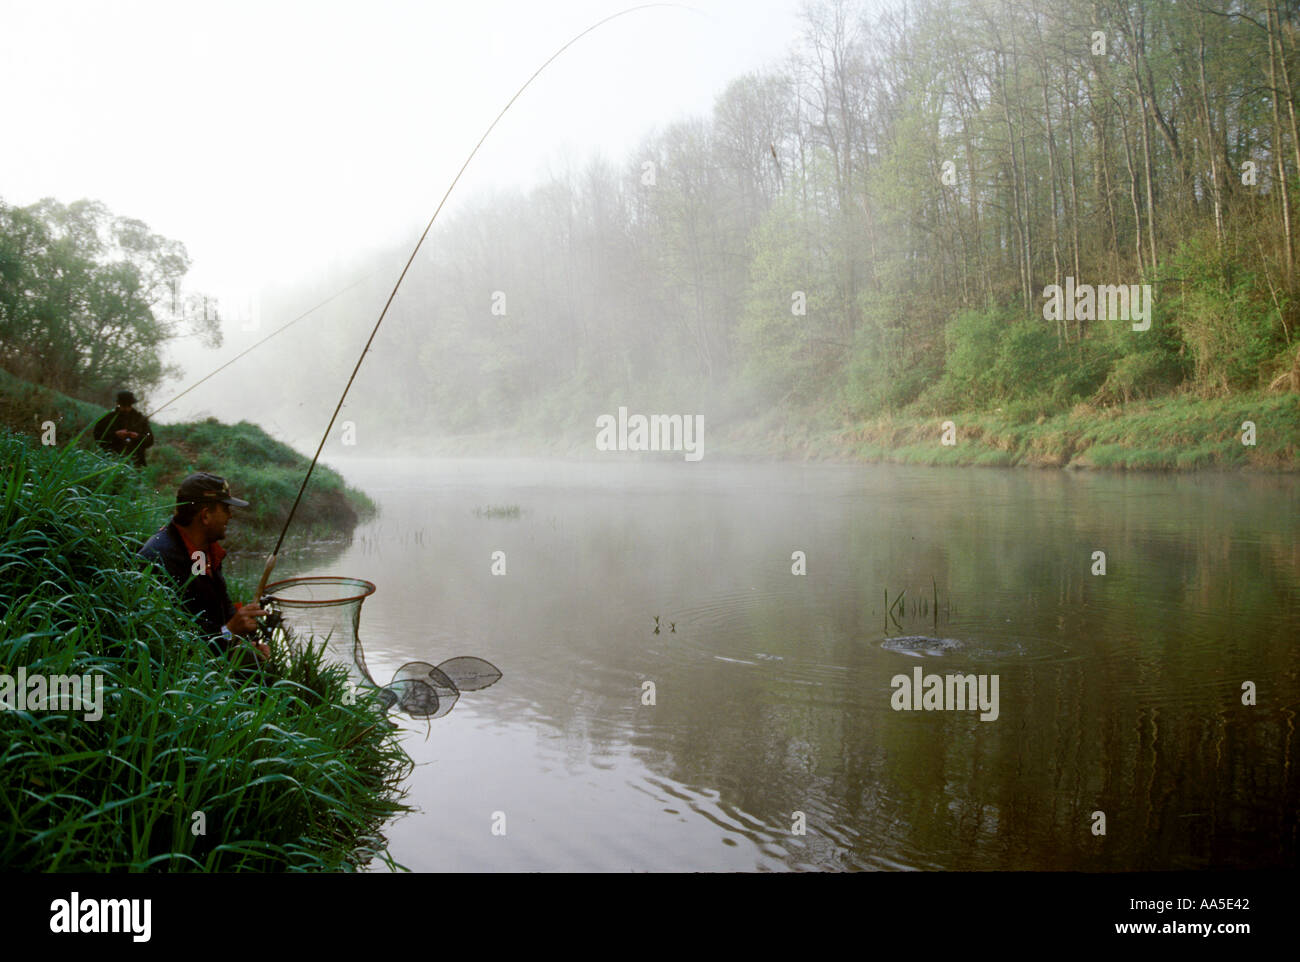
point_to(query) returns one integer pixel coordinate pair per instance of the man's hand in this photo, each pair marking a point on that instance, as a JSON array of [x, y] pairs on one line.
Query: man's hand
[[121, 432], [245, 620], [251, 654]]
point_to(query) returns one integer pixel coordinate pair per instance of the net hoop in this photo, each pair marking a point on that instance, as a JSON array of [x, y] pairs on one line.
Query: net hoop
[[341, 628], [361, 591]]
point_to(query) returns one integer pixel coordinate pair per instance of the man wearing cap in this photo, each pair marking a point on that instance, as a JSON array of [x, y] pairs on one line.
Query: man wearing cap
[[188, 548], [124, 430]]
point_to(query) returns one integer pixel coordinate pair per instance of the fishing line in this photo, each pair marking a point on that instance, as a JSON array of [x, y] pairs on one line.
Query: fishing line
[[283, 327], [270, 561]]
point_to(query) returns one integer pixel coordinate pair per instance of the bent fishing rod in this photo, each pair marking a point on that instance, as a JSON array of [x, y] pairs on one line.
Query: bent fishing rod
[[271, 559]]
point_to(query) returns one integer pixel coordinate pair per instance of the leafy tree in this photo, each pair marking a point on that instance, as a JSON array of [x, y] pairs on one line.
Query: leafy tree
[[87, 299], [788, 333]]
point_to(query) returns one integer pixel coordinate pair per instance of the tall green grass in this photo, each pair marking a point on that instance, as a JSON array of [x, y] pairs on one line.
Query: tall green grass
[[286, 774]]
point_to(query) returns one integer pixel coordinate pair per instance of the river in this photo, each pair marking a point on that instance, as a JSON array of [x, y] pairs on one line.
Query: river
[[771, 739]]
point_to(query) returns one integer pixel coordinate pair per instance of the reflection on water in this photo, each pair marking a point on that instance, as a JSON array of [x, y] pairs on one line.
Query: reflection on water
[[1119, 693]]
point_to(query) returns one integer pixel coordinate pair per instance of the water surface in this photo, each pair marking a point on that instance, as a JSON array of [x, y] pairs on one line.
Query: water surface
[[1119, 694]]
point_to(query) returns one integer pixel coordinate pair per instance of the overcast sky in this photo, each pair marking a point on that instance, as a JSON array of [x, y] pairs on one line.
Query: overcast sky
[[274, 137]]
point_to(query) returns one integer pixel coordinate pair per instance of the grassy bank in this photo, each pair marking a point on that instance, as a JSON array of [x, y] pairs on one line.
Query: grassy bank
[[1170, 434], [261, 470], [273, 765], [264, 472]]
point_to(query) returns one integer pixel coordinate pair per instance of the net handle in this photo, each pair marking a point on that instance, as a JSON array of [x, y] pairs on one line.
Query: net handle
[[266, 574]]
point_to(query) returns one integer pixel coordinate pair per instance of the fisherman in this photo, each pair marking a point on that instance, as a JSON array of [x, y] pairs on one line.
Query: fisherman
[[124, 430], [188, 548]]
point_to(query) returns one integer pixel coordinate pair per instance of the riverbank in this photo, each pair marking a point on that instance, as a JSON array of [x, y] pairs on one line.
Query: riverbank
[[261, 470], [1164, 434], [181, 760], [1177, 433]]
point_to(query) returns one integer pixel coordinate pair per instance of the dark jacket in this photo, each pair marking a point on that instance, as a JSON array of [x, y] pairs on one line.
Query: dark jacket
[[203, 595], [132, 420]]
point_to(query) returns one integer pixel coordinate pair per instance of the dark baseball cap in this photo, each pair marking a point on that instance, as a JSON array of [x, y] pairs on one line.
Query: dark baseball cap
[[125, 397], [203, 488]]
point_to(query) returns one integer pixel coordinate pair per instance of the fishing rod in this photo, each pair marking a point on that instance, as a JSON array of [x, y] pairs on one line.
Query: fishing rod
[[271, 559]]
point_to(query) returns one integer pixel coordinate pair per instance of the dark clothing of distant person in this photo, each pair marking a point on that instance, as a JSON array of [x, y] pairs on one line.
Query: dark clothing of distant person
[[106, 436], [204, 595]]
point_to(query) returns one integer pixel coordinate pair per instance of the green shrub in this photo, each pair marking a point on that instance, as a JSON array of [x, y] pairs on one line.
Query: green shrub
[[1141, 375], [1028, 359], [1231, 325], [999, 355], [972, 351]]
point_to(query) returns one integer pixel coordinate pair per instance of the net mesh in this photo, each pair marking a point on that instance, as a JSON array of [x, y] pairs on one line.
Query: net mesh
[[328, 609]]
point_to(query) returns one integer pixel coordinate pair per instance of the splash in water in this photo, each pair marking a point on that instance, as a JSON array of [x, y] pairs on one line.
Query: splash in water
[[920, 645]]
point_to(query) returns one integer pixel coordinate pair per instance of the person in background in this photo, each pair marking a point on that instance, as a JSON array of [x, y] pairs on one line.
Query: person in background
[[124, 430], [187, 549]]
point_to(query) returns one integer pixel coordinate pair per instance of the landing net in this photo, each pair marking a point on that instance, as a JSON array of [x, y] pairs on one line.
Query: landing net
[[328, 609]]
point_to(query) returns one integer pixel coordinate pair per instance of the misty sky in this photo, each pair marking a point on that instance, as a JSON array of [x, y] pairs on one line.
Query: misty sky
[[276, 139]]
